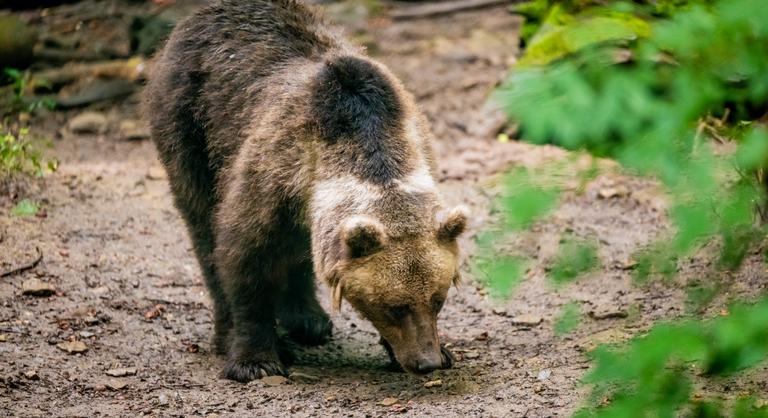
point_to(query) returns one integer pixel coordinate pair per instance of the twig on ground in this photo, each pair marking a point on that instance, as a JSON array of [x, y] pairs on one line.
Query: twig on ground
[[32, 264]]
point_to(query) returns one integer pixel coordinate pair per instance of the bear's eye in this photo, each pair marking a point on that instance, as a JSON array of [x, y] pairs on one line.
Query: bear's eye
[[400, 312], [437, 303]]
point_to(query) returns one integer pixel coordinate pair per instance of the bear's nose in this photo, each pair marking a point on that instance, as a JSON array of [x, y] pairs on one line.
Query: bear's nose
[[427, 365]]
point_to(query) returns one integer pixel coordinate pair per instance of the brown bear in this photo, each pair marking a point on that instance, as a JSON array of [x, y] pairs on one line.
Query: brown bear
[[292, 155]]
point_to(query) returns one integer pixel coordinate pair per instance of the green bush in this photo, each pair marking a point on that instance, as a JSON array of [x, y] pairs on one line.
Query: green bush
[[19, 152], [657, 86], [21, 155]]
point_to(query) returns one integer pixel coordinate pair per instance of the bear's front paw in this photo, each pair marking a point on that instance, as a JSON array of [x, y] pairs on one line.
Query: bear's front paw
[[246, 370], [308, 328], [448, 357]]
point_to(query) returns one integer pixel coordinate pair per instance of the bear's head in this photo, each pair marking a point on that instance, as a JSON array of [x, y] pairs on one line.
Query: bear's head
[[401, 283]]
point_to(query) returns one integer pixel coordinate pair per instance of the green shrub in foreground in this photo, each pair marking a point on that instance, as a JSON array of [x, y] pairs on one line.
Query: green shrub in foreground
[[652, 84]]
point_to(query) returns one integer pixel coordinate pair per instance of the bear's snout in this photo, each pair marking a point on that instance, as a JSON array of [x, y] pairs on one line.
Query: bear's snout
[[428, 365]]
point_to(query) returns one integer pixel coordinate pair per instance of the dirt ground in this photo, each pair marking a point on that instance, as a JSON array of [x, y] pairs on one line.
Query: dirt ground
[[128, 286]]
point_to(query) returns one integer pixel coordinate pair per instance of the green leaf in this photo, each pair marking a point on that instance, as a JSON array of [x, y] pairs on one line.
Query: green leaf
[[524, 201], [504, 274], [753, 152], [573, 259], [558, 40], [568, 320], [25, 207]]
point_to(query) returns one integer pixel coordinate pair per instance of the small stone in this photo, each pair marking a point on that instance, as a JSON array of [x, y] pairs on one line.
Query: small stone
[[629, 264], [86, 334], [388, 401], [607, 312], [3, 338], [433, 383], [131, 130], [124, 371], [115, 384], [100, 290], [72, 347], [544, 375], [88, 123], [37, 287], [527, 320], [611, 192], [32, 375], [274, 380], [303, 377], [471, 355], [156, 173], [162, 400]]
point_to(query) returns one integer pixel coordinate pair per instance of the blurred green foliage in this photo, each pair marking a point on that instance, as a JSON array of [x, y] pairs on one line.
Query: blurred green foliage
[[20, 153], [574, 258], [568, 319], [653, 376], [25, 207], [658, 85]]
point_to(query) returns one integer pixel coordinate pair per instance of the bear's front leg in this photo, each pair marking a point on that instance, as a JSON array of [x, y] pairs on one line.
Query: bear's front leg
[[253, 350], [252, 277]]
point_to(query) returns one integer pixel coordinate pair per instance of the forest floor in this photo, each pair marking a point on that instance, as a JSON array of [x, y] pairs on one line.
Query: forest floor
[[128, 286]]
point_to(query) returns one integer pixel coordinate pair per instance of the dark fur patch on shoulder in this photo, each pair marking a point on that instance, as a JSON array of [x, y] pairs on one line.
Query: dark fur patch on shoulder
[[353, 101]]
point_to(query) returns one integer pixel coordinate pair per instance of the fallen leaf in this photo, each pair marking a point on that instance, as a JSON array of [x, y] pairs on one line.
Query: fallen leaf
[[125, 371], [72, 347], [153, 313], [629, 264], [115, 384], [388, 401], [274, 380]]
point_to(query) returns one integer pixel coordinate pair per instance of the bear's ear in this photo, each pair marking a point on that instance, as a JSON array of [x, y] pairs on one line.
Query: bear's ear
[[452, 222], [362, 236]]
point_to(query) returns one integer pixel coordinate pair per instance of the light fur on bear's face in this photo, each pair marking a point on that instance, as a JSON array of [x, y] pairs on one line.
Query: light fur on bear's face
[[400, 284]]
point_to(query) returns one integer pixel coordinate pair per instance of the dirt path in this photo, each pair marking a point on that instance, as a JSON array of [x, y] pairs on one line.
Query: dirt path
[[127, 284]]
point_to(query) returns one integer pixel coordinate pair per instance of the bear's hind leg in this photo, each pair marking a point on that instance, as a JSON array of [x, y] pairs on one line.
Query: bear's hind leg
[[192, 185], [300, 313]]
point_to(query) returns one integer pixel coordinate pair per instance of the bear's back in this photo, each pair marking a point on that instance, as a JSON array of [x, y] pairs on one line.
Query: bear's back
[[210, 80]]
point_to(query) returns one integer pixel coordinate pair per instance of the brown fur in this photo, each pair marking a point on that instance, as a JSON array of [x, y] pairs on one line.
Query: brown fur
[[292, 155]]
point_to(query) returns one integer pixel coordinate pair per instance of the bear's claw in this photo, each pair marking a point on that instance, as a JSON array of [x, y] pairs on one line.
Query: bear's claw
[[245, 371], [448, 358]]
